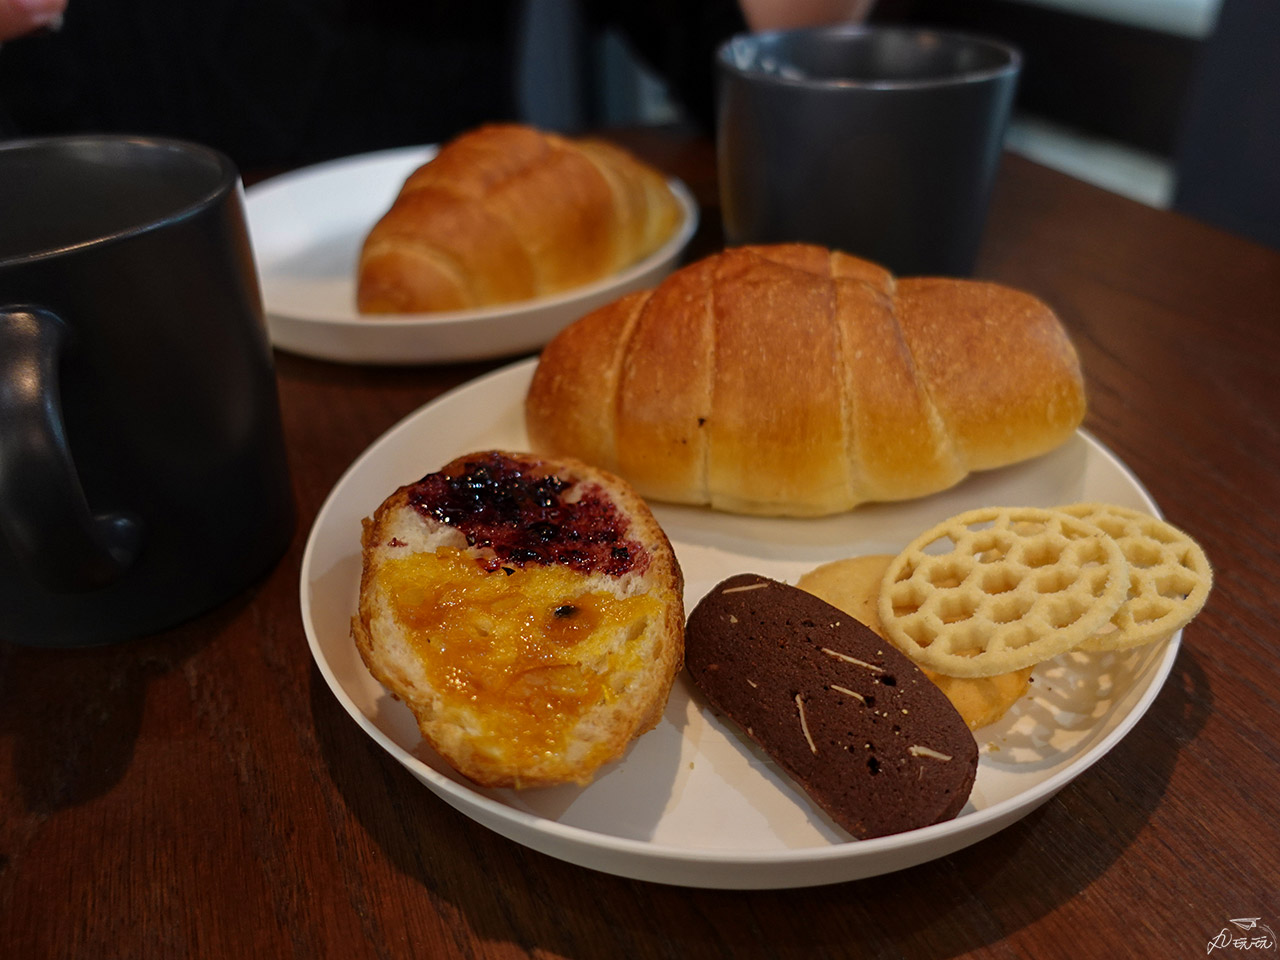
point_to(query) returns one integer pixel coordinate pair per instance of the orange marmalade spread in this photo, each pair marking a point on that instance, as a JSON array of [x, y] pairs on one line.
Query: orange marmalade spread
[[522, 649]]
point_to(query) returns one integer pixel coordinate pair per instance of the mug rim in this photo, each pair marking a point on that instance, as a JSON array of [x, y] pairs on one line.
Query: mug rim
[[1013, 62], [228, 177]]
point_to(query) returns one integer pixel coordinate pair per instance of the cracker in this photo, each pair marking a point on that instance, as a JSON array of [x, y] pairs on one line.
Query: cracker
[[853, 585], [1169, 576], [999, 589]]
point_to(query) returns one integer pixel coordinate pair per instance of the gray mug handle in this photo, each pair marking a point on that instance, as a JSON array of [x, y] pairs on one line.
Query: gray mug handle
[[44, 514]]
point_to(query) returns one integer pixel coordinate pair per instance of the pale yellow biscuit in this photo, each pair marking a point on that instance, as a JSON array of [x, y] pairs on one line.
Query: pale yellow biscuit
[[983, 700], [853, 585], [1000, 589], [1169, 576]]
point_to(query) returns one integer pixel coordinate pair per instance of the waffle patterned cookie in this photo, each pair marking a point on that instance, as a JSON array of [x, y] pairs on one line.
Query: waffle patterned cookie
[[1169, 576], [1002, 588]]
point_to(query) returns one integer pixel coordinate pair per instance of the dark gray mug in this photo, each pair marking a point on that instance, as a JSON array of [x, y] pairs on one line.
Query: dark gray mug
[[881, 142], [142, 470]]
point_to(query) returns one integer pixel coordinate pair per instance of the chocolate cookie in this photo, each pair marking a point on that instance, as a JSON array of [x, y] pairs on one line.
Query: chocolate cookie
[[853, 721]]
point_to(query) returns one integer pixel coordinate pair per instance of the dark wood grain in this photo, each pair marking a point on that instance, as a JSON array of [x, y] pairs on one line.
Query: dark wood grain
[[201, 794]]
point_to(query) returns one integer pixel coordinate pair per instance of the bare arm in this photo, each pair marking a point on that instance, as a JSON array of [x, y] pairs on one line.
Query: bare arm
[[20, 17], [786, 14]]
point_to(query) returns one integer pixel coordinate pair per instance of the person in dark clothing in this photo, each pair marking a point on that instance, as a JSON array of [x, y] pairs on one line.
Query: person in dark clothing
[[286, 82], [270, 82], [277, 83]]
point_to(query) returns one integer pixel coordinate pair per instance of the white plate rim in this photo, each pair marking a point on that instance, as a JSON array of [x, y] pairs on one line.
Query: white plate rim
[[977, 824]]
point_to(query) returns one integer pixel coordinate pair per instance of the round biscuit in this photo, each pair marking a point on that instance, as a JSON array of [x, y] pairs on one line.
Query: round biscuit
[[853, 585], [1169, 576], [999, 589]]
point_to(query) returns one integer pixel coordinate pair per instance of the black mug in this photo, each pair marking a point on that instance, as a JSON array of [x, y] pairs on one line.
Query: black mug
[[143, 477], [882, 142]]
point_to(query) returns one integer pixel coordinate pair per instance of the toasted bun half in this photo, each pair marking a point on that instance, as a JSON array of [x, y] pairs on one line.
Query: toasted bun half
[[529, 611]]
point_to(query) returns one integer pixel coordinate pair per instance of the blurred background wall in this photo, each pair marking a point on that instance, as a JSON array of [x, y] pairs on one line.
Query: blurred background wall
[[1173, 103]]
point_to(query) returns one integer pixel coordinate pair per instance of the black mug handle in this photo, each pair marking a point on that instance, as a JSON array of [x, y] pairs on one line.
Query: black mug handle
[[44, 514]]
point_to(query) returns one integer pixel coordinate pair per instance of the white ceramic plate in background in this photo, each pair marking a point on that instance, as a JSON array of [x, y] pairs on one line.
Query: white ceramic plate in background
[[307, 228], [693, 802]]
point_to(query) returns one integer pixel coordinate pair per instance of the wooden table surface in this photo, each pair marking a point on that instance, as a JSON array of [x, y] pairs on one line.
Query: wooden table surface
[[202, 794]]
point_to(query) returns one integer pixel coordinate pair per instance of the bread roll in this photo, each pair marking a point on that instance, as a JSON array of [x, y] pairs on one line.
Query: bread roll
[[793, 380], [529, 612], [506, 213]]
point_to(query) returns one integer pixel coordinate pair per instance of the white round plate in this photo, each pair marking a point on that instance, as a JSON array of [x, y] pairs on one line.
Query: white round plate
[[307, 228], [693, 802]]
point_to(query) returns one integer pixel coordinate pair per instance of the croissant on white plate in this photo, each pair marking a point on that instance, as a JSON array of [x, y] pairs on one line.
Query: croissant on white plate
[[795, 380], [505, 213]]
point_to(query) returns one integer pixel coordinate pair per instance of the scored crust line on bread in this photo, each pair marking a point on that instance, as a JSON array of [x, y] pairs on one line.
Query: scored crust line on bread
[[612, 458], [438, 257], [709, 395], [626, 208], [942, 432], [551, 151], [849, 399], [940, 428]]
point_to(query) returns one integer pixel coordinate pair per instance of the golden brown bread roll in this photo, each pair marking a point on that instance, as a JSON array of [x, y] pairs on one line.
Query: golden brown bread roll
[[794, 380], [505, 213]]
